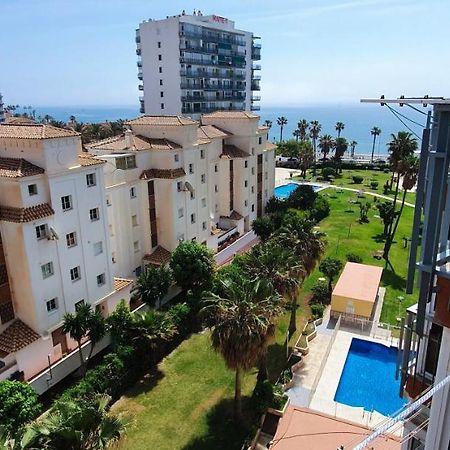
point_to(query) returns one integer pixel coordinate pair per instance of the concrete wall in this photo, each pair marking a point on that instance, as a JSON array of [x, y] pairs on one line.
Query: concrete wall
[[360, 307]]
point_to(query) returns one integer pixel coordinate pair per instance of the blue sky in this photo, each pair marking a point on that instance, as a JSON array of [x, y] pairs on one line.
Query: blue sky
[[58, 52]]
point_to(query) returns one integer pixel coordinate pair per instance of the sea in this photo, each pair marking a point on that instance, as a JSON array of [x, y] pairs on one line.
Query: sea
[[358, 118]]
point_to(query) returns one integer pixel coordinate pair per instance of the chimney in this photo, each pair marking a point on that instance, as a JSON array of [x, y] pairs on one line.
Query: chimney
[[129, 138]]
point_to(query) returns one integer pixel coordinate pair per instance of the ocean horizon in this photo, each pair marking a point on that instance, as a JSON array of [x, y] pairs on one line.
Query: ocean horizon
[[358, 118]]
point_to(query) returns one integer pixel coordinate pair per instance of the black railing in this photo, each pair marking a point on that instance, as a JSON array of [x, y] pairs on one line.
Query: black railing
[[204, 62], [221, 98], [201, 74], [236, 40]]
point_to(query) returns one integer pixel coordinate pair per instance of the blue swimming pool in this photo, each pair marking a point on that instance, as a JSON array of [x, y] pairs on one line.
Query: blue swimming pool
[[368, 378], [285, 190]]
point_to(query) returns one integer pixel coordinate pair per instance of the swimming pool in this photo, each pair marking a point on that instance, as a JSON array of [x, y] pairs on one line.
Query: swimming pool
[[285, 190], [368, 379]]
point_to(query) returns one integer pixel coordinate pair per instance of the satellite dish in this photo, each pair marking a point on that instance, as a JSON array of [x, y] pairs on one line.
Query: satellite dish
[[188, 187]]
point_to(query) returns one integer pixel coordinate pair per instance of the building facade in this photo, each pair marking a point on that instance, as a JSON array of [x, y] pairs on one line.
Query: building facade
[[170, 178], [195, 64], [55, 251]]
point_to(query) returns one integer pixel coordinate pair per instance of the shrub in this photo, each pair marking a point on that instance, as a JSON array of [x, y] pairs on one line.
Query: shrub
[[320, 209], [353, 257], [317, 310], [18, 405], [263, 227], [328, 172], [263, 396], [302, 198], [180, 315], [275, 205], [374, 184], [320, 292], [357, 179]]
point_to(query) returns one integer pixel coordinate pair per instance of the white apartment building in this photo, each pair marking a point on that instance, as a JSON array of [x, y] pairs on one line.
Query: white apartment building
[[55, 250], [170, 178], [196, 64]]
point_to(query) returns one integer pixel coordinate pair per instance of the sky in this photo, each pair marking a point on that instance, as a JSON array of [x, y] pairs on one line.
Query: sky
[[58, 52]]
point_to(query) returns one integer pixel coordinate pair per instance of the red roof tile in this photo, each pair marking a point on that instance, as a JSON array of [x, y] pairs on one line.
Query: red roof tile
[[34, 131], [159, 257], [231, 151], [17, 336], [21, 215], [18, 168], [162, 173]]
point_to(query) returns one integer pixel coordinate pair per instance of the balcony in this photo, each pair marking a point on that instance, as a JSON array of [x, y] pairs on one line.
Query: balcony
[[139, 64], [204, 62], [442, 311], [255, 108], [256, 77], [138, 51], [256, 87], [211, 51], [213, 98], [142, 109], [141, 99], [140, 76], [216, 38], [209, 74], [138, 40], [141, 87], [256, 98], [415, 385], [256, 67], [208, 109], [212, 87]]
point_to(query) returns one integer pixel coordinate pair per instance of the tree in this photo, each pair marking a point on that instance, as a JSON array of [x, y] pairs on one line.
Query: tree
[[363, 212], [18, 405], [326, 144], [240, 322], [314, 132], [400, 146], [289, 148], [77, 425], [281, 121], [302, 127], [296, 134], [340, 147], [153, 284], [268, 123], [353, 144], [263, 227], [305, 156], [192, 265], [302, 197], [339, 127], [85, 323], [121, 324], [330, 267], [375, 131], [386, 211]]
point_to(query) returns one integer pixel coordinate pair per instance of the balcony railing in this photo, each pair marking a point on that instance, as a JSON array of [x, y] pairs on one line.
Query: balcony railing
[[255, 108], [256, 67], [208, 109], [256, 98], [138, 51], [256, 77], [201, 74], [213, 98], [141, 98], [442, 311], [226, 235], [212, 87], [141, 87], [256, 87], [204, 62], [205, 36], [211, 51]]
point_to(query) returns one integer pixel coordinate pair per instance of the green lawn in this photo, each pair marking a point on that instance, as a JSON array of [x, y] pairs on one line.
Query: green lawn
[[187, 404], [346, 235]]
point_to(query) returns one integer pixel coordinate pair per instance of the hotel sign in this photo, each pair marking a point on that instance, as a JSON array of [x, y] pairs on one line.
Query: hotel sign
[[219, 19]]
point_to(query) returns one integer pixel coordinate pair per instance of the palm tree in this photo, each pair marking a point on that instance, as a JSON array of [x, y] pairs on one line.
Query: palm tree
[[153, 283], [240, 322], [303, 128], [76, 425], [268, 123], [326, 144], [375, 131], [339, 127], [340, 147], [296, 134], [314, 132], [281, 121], [353, 144]]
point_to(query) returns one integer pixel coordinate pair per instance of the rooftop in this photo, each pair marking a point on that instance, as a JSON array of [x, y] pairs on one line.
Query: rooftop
[[231, 151], [87, 160], [162, 121], [359, 281], [34, 131], [139, 143], [22, 215], [18, 168], [17, 336], [159, 257], [121, 283], [162, 173], [232, 115]]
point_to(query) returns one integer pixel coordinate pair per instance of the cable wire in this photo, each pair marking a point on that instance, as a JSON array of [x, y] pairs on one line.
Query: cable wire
[[398, 117], [407, 118], [416, 109]]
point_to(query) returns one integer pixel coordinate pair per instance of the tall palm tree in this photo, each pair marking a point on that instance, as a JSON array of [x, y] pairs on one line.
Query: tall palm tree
[[268, 123], [340, 147], [326, 144], [303, 128], [296, 134], [339, 127], [314, 132], [75, 425], [375, 131], [281, 121], [240, 322], [353, 144]]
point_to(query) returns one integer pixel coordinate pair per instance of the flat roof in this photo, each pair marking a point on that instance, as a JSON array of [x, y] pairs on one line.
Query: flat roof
[[303, 428], [359, 281]]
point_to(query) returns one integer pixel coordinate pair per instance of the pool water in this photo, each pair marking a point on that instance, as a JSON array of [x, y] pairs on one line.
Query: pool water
[[368, 379], [285, 190]]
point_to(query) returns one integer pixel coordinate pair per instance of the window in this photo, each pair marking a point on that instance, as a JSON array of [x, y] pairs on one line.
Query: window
[[203, 202], [160, 70], [136, 246], [134, 220], [47, 270], [71, 239], [179, 186], [98, 248], [90, 179], [52, 305], [216, 188], [133, 192], [260, 140], [192, 195], [75, 273], [66, 202], [253, 208], [204, 226], [32, 189], [245, 164], [42, 231], [253, 189], [101, 279], [162, 105], [191, 168], [193, 218], [78, 305], [216, 208], [216, 169], [159, 57], [265, 157], [253, 171], [203, 178], [94, 214], [113, 257], [126, 162], [160, 82], [245, 183], [180, 213], [253, 150], [202, 154], [108, 201], [159, 44], [176, 157]]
